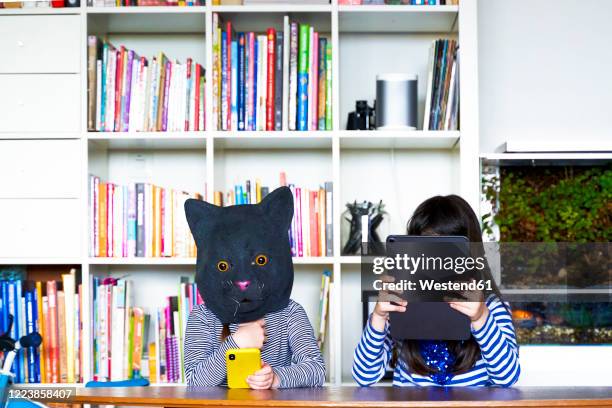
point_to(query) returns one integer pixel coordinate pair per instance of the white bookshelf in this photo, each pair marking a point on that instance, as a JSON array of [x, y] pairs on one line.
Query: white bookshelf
[[401, 168]]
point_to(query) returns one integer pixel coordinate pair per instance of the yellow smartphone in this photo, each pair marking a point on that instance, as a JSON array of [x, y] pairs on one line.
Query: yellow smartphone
[[240, 364]]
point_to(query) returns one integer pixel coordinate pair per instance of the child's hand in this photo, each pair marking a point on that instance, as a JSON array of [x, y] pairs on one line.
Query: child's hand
[[251, 335], [382, 308], [476, 311], [263, 379]]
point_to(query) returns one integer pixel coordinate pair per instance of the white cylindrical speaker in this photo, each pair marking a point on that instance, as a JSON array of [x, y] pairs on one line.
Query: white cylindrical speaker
[[396, 102]]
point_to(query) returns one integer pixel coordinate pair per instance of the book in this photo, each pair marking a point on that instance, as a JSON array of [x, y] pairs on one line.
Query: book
[[322, 88], [328, 84], [69, 291], [293, 79], [93, 50], [279, 81], [323, 306], [302, 77], [329, 232], [270, 83], [313, 79], [241, 81], [234, 86]]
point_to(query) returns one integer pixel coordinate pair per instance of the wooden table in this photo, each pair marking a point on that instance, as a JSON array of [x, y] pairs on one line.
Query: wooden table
[[350, 397]]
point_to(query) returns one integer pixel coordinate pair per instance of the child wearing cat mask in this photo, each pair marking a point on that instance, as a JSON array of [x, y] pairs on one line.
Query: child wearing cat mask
[[244, 273]]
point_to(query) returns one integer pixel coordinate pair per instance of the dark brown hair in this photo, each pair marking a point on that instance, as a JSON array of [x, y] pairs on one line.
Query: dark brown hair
[[446, 215]]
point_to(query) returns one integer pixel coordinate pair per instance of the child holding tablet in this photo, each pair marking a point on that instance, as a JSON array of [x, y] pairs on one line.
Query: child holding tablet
[[489, 357], [244, 273]]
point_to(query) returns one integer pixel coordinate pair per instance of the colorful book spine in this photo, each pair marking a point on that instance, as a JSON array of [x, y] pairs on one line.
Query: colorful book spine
[[270, 91], [293, 75], [302, 77], [322, 88], [241, 81], [278, 83], [224, 80], [313, 80], [328, 84], [234, 86]]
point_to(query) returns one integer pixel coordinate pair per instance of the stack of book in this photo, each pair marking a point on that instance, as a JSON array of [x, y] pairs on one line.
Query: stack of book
[[277, 81], [311, 232], [442, 101], [121, 346], [138, 220], [53, 309], [249, 2], [127, 92], [120, 3], [398, 2]]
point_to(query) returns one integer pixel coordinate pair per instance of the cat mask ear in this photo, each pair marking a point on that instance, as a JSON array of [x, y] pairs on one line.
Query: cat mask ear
[[278, 205], [196, 211]]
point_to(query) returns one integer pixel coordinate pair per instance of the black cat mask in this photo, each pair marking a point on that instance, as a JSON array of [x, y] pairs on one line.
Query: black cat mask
[[244, 267]]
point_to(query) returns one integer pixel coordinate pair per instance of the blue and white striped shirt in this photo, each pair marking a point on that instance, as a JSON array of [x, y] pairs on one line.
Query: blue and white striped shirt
[[290, 348], [498, 364]]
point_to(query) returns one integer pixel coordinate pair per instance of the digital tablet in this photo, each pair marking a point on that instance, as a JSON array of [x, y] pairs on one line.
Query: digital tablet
[[424, 320]]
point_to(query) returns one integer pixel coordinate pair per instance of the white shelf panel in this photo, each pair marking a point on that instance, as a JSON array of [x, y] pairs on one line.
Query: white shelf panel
[[350, 260], [192, 261], [401, 18], [314, 260], [547, 156], [273, 8], [39, 11], [416, 139], [40, 261], [258, 18], [582, 145], [147, 10], [273, 140], [149, 140], [103, 20], [142, 261]]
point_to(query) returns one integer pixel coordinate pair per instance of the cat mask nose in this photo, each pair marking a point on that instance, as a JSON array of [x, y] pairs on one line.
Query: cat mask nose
[[242, 285]]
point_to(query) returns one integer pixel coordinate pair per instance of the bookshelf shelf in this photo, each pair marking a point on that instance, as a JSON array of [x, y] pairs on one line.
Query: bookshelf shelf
[[273, 8], [350, 259], [530, 158], [142, 261], [40, 261], [417, 139], [147, 10], [314, 260], [390, 19], [40, 11], [272, 140], [258, 18], [149, 140], [192, 261]]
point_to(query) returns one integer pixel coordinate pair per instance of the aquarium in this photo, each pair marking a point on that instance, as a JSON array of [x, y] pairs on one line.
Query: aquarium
[[552, 220]]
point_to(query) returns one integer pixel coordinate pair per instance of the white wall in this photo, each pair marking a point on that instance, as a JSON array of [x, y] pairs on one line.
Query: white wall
[[544, 76], [544, 70]]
